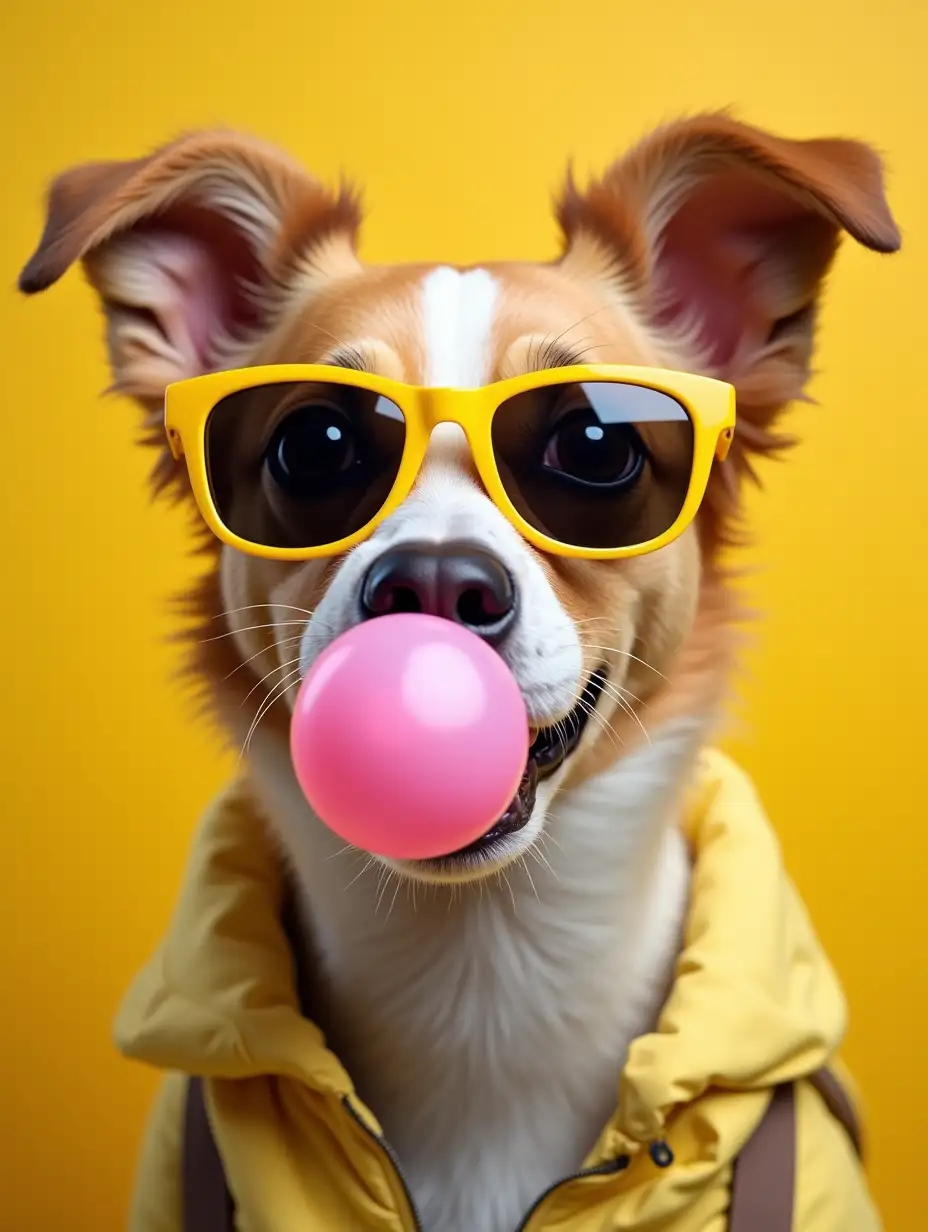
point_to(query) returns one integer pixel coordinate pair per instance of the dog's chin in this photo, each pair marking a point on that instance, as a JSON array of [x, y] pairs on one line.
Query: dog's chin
[[514, 833]]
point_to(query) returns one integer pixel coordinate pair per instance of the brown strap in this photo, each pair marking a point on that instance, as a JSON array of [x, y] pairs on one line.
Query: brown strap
[[764, 1178], [836, 1101], [206, 1201]]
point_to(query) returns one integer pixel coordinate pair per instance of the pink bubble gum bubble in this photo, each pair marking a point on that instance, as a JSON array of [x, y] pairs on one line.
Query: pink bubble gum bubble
[[409, 737]]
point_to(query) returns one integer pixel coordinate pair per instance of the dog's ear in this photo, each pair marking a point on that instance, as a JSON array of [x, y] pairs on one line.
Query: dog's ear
[[720, 235], [192, 251]]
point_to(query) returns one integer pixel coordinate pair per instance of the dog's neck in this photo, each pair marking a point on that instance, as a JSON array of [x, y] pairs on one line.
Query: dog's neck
[[486, 1026]]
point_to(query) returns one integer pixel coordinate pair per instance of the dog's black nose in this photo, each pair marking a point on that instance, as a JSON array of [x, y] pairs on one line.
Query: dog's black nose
[[457, 581]]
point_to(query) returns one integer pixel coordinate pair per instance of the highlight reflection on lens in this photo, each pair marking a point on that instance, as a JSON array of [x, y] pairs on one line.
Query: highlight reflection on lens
[[595, 464], [302, 464]]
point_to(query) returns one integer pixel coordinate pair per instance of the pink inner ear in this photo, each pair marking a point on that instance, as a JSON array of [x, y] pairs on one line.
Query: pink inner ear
[[199, 265], [712, 258], [191, 303]]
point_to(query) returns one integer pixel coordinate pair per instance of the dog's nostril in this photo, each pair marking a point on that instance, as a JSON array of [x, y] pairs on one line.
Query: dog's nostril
[[477, 607], [456, 581], [404, 599]]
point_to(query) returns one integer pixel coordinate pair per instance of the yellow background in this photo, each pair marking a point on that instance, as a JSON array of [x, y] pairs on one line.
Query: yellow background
[[459, 121]]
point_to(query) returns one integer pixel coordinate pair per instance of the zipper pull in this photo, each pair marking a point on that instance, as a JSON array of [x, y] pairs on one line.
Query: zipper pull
[[661, 1154]]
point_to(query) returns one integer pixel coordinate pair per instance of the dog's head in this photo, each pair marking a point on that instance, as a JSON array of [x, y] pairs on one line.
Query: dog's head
[[703, 250]]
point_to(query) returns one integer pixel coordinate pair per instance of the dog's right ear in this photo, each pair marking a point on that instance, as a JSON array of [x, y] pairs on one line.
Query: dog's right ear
[[193, 251]]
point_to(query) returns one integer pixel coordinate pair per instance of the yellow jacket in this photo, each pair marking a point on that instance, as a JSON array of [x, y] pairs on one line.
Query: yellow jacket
[[755, 1004]]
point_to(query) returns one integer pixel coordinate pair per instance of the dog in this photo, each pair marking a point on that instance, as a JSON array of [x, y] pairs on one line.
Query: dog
[[586, 1018]]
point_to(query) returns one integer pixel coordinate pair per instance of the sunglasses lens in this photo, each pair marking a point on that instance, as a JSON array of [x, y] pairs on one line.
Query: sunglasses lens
[[302, 464], [595, 464]]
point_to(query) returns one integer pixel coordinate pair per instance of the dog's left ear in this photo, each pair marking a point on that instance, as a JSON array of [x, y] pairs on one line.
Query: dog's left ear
[[193, 252], [720, 235]]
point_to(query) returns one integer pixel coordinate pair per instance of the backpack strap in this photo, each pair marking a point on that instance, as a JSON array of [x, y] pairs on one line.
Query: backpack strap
[[837, 1102], [206, 1202], [764, 1180]]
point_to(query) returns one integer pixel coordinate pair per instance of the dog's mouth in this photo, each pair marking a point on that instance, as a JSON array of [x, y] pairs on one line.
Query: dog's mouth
[[549, 750]]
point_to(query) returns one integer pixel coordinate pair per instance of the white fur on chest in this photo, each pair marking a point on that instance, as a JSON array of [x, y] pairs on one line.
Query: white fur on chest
[[487, 1028]]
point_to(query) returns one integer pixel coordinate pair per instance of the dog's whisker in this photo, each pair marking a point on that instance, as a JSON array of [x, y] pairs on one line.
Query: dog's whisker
[[384, 886], [540, 858], [585, 350], [267, 675], [508, 885], [546, 836], [628, 709], [263, 708], [531, 882], [249, 607], [357, 877], [619, 693], [546, 349], [603, 723], [399, 886], [382, 874], [287, 641], [626, 654], [339, 342], [274, 624], [341, 851], [278, 691]]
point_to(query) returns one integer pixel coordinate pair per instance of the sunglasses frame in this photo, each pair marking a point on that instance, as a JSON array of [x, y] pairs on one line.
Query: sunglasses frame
[[709, 403]]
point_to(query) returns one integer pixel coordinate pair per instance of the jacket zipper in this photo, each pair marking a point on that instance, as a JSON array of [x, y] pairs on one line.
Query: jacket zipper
[[390, 1154], [618, 1164]]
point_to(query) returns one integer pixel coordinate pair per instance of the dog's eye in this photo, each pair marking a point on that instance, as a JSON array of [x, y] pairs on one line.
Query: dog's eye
[[589, 452], [313, 446]]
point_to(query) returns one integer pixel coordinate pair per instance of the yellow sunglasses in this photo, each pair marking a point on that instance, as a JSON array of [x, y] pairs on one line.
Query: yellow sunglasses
[[293, 461]]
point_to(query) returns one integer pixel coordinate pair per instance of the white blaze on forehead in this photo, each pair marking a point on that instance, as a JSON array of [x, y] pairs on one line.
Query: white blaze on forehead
[[458, 310], [448, 504]]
